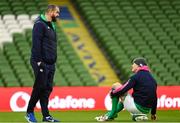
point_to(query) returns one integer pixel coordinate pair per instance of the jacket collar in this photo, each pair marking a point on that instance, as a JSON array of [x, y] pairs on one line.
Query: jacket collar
[[144, 68], [43, 17]]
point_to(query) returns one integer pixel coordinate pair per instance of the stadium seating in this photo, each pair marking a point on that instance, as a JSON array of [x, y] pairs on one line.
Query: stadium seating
[[16, 22], [126, 29], [70, 66], [70, 70]]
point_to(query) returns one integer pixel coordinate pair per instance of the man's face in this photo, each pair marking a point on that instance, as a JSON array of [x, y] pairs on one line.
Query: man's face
[[134, 67], [55, 14]]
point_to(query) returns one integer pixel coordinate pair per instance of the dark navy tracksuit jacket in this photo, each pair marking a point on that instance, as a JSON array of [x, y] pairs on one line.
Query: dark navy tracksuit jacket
[[44, 45], [144, 89]]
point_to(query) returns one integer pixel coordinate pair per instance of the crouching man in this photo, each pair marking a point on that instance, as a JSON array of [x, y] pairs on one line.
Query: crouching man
[[143, 99]]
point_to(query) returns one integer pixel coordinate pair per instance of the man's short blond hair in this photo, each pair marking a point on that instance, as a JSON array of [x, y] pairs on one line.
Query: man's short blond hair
[[51, 8]]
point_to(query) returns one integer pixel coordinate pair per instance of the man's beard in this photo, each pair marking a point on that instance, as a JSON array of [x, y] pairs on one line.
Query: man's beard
[[54, 19]]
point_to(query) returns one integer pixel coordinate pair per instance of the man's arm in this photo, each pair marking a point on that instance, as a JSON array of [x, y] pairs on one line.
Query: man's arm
[[37, 38], [124, 88], [153, 109]]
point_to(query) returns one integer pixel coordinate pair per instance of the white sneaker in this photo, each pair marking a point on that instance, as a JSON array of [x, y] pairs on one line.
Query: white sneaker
[[102, 118], [142, 117]]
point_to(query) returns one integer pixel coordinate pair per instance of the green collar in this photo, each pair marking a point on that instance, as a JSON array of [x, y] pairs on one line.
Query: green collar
[[44, 18]]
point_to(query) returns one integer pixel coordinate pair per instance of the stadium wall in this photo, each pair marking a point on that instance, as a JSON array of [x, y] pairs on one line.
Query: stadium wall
[[80, 98]]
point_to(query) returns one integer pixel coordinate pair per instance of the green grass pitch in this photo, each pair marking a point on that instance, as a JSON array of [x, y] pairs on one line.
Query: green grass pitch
[[86, 116]]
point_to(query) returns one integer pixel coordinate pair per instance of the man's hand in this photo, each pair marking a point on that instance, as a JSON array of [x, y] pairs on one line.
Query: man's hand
[[112, 94], [41, 65], [153, 117], [38, 63]]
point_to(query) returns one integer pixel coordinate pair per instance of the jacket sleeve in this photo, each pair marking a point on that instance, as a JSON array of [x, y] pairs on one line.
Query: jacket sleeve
[[37, 37], [125, 87], [154, 106]]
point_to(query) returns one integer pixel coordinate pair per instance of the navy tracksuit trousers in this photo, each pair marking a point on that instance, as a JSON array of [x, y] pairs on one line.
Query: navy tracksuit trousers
[[42, 88]]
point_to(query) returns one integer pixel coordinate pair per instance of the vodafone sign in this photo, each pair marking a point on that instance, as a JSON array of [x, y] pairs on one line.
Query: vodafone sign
[[80, 98], [19, 101], [62, 98], [169, 97]]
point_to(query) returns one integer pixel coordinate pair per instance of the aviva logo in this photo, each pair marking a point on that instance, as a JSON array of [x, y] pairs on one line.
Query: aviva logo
[[84, 45]]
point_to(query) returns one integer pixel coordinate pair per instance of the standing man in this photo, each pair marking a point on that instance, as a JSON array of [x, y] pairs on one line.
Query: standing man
[[43, 58], [143, 99]]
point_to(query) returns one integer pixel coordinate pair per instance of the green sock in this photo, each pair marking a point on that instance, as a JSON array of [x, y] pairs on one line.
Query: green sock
[[114, 106], [120, 107]]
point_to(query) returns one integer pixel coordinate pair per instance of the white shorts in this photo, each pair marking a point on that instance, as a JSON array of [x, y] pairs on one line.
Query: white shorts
[[130, 106]]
